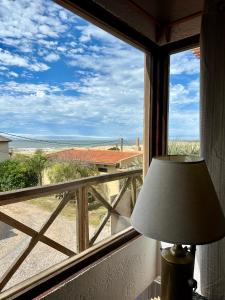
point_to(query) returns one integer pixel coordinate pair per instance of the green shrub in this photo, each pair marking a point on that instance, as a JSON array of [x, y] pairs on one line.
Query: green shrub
[[16, 174]]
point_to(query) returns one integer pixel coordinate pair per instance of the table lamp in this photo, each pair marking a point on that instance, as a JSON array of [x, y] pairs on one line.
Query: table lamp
[[178, 204]]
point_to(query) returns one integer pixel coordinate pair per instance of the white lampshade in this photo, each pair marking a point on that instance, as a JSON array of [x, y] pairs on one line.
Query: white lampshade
[[178, 203]]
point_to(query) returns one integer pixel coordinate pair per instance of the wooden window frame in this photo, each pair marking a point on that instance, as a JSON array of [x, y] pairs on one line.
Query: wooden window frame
[[155, 139]]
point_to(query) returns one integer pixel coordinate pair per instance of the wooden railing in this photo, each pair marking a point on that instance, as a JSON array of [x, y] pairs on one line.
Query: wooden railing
[[80, 188]]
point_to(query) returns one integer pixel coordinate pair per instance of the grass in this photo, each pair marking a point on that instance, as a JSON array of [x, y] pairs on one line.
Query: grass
[[49, 204], [183, 148]]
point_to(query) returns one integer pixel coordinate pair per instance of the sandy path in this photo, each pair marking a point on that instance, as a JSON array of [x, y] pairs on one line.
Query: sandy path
[[12, 241]]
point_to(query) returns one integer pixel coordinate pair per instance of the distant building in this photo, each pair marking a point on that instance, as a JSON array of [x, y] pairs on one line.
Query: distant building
[[4, 148], [105, 160]]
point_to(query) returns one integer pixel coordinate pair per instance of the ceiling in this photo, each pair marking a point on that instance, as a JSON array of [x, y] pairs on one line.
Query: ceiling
[[169, 11], [162, 21], [158, 21]]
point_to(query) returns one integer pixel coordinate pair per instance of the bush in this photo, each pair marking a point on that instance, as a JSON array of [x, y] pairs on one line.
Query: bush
[[16, 174]]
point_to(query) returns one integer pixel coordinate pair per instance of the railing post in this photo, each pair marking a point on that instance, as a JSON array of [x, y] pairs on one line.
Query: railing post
[[82, 220], [133, 192]]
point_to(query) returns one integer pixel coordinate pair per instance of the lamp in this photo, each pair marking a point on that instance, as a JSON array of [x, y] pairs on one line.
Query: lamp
[[178, 204]]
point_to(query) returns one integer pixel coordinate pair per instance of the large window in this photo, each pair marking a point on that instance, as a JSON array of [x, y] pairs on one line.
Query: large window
[[71, 99]]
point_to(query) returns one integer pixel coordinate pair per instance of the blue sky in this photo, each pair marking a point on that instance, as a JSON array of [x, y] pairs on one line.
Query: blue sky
[[61, 75], [184, 96]]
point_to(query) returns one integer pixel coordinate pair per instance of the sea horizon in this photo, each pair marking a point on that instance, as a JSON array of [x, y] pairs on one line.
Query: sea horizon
[[56, 142]]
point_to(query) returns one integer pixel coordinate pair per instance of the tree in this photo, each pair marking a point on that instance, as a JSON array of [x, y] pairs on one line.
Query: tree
[[16, 174], [69, 170], [38, 162]]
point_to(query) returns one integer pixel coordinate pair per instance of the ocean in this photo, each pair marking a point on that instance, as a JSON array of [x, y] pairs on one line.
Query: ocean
[[62, 142]]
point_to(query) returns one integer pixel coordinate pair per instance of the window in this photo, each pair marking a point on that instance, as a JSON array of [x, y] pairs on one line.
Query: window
[[184, 103], [71, 95], [102, 169]]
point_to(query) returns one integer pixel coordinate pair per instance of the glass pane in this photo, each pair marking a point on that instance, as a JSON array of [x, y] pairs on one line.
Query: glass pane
[[184, 103], [71, 99], [184, 138]]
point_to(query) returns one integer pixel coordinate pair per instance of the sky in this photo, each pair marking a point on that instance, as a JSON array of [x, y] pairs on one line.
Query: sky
[[61, 75]]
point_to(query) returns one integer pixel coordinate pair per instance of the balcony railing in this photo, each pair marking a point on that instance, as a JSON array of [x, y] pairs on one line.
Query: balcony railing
[[78, 189]]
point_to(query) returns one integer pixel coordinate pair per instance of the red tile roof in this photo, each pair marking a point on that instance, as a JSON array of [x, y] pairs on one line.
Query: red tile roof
[[107, 157]]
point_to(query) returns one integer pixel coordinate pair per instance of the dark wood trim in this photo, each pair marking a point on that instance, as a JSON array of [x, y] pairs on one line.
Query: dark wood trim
[[186, 18], [159, 103], [181, 45], [67, 270], [140, 8], [96, 14], [147, 113]]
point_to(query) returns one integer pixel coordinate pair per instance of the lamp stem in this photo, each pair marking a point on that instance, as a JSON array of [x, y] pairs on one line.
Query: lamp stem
[[177, 272]]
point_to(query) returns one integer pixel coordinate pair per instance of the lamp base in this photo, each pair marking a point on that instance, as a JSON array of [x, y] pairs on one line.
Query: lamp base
[[177, 266]]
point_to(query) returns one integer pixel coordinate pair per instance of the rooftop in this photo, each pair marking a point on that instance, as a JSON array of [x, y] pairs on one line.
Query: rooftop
[[4, 139], [107, 157]]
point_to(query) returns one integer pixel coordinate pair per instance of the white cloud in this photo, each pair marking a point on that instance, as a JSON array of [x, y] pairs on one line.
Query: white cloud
[[184, 124], [90, 31], [184, 93], [6, 58], [13, 74], [9, 59], [184, 110], [17, 89], [184, 63], [107, 80], [52, 57]]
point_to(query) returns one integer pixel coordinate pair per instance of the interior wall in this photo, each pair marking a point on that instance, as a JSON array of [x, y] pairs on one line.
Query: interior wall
[[122, 275], [211, 257]]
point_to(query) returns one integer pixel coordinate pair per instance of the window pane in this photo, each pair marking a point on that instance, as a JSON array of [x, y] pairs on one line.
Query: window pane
[[184, 103], [71, 99]]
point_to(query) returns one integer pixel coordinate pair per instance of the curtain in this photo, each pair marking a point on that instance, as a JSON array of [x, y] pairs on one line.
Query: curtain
[[211, 258]]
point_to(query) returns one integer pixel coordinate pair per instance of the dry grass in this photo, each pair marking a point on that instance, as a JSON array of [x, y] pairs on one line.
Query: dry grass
[[69, 211], [184, 148]]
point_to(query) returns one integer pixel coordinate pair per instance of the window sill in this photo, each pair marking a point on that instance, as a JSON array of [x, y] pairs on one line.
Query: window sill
[[50, 278]]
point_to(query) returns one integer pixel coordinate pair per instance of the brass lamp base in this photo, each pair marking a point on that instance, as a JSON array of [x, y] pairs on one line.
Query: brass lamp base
[[177, 266]]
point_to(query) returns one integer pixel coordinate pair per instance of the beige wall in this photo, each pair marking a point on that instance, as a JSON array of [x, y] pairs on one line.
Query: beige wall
[[126, 163], [123, 275], [4, 150]]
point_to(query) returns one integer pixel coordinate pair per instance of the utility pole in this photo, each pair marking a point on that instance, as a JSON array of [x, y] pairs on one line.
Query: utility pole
[[138, 144], [121, 144]]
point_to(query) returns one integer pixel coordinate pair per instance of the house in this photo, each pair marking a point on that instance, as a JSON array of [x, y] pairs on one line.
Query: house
[[4, 148], [107, 161], [124, 267]]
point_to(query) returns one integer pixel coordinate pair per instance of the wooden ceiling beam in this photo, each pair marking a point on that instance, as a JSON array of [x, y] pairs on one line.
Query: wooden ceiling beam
[[101, 17]]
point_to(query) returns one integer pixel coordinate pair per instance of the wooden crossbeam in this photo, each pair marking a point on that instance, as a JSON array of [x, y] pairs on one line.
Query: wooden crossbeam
[[107, 216], [31, 232], [99, 197], [34, 240], [133, 192], [122, 191]]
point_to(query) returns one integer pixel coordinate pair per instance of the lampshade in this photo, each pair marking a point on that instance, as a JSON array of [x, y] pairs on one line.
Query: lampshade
[[178, 203]]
